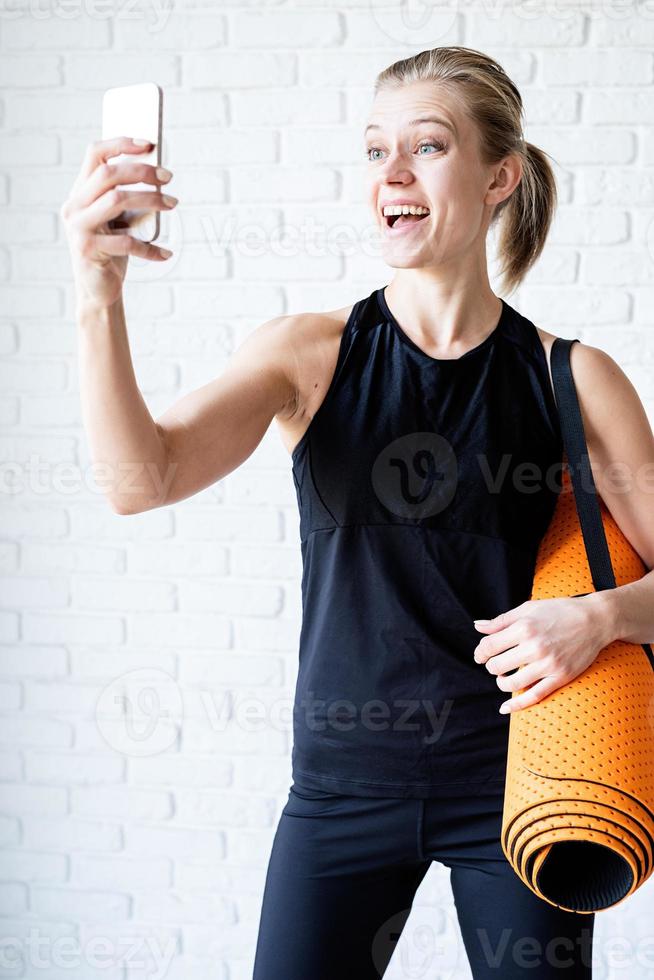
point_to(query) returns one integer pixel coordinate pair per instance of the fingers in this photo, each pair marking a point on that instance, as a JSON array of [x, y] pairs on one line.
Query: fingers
[[126, 245], [97, 175], [108, 175], [496, 643], [96, 199], [102, 150], [114, 202], [533, 695], [525, 675]]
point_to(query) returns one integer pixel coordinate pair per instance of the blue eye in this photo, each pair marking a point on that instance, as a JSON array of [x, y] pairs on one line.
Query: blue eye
[[434, 143], [430, 143]]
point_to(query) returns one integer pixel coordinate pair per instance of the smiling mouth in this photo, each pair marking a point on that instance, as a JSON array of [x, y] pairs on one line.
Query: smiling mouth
[[392, 219]]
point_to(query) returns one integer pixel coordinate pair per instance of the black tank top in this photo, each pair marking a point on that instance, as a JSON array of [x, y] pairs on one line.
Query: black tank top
[[424, 488]]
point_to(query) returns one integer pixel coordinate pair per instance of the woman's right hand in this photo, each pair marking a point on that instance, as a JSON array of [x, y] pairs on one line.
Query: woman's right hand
[[99, 249]]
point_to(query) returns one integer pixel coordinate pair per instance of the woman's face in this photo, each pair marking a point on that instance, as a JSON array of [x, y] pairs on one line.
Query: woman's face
[[435, 164]]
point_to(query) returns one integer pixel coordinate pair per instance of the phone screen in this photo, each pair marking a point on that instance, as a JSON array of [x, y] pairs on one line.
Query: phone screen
[[136, 111]]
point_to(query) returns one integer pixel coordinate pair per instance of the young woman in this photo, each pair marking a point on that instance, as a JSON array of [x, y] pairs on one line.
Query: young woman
[[426, 454]]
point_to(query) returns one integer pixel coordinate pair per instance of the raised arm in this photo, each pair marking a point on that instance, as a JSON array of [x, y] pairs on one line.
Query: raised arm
[[202, 437], [147, 463]]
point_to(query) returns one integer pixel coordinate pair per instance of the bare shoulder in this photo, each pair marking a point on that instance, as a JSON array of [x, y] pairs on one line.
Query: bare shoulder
[[585, 360], [311, 343], [607, 398], [610, 405], [620, 444], [620, 441]]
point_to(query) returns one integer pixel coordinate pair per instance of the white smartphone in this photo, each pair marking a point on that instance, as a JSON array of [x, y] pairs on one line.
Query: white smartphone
[[136, 111]]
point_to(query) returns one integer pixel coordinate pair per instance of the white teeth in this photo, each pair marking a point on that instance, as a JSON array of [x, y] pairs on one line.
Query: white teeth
[[404, 209]]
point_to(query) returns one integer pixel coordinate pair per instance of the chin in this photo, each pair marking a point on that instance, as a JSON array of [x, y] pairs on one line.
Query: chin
[[404, 256], [401, 262]]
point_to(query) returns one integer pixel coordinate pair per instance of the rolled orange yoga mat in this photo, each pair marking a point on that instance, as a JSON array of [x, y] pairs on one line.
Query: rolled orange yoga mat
[[578, 818]]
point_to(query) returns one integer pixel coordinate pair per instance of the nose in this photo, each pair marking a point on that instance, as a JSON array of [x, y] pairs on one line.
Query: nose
[[396, 167], [396, 177]]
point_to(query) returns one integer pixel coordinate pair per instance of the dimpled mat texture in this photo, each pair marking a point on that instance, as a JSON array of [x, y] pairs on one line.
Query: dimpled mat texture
[[578, 819]]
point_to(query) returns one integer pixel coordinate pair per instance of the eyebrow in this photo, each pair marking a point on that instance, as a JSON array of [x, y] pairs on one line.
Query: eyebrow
[[418, 122]]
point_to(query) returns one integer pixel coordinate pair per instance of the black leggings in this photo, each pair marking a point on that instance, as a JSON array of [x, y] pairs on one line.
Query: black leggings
[[343, 873]]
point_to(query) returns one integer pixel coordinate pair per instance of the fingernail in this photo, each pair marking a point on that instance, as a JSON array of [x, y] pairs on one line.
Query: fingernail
[[141, 142], [169, 199], [482, 622], [163, 174], [166, 252]]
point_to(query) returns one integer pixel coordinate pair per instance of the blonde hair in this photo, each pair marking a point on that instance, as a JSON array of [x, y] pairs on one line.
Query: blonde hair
[[494, 104]]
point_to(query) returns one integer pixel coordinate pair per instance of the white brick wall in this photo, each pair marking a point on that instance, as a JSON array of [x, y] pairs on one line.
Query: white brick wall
[[146, 847]]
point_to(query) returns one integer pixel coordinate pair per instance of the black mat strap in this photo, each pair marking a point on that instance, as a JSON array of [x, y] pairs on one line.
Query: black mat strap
[[583, 484]]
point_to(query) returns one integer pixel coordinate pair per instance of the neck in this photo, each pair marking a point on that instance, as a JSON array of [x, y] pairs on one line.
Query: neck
[[447, 318]]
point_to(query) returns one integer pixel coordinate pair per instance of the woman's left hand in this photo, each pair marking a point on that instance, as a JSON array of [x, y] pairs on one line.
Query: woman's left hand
[[555, 640]]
